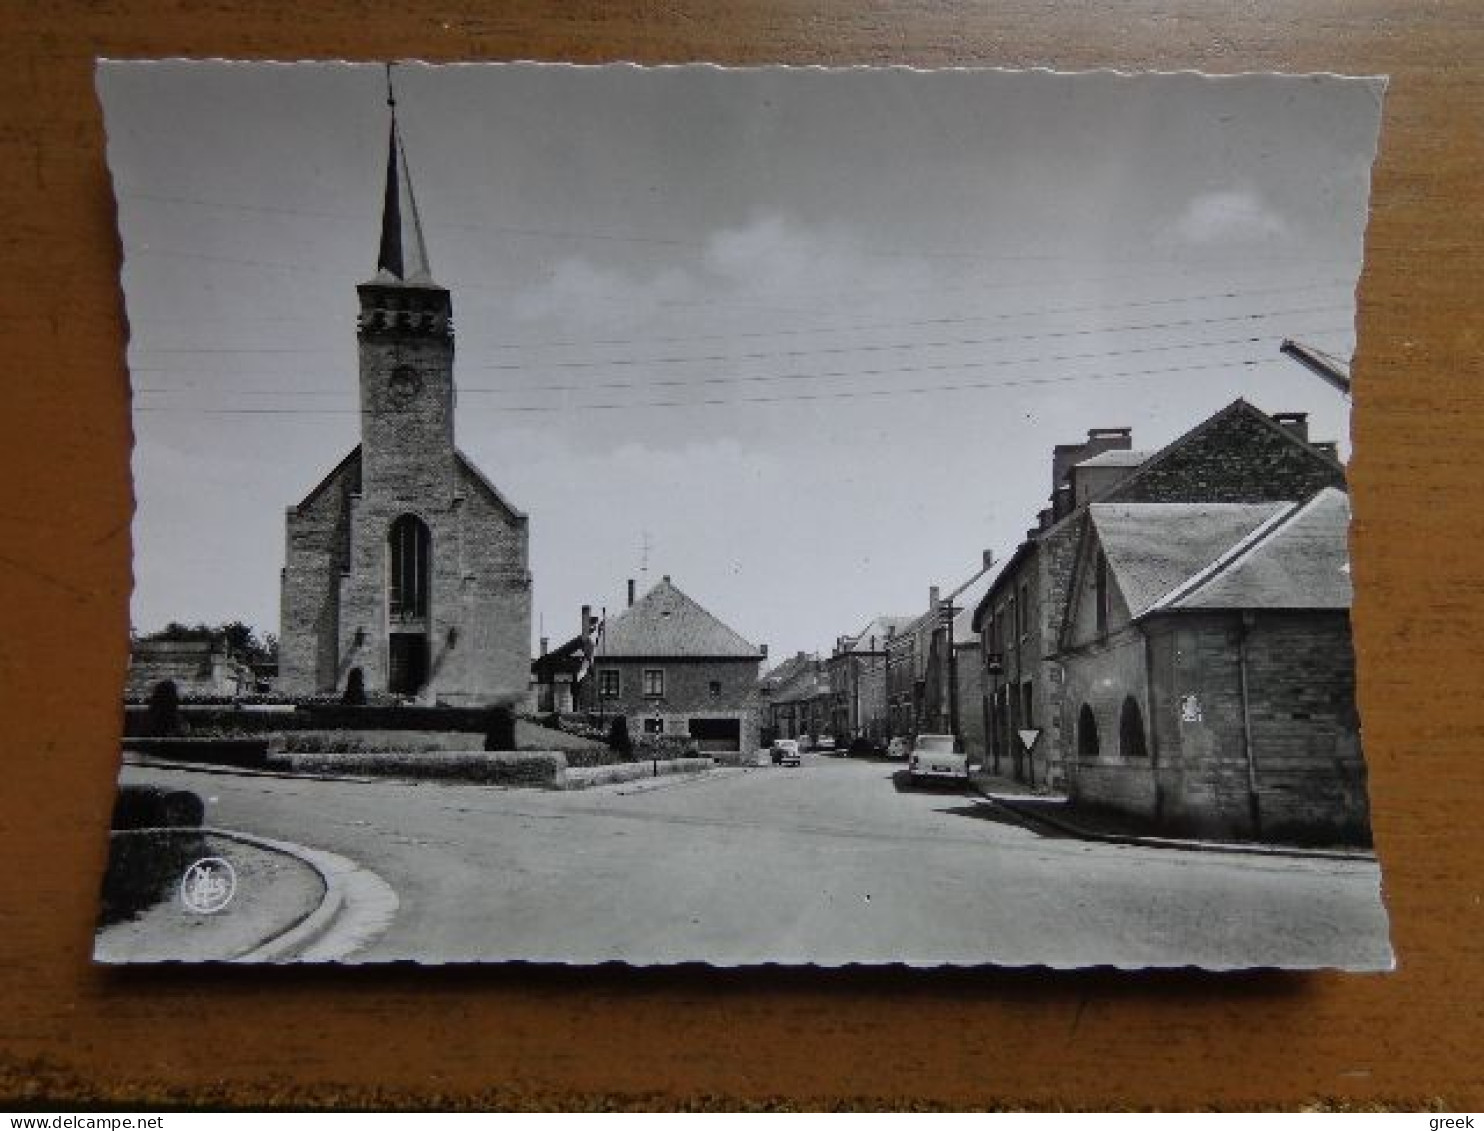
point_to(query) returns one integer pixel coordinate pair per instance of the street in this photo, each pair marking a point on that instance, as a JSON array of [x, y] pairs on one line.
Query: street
[[833, 862]]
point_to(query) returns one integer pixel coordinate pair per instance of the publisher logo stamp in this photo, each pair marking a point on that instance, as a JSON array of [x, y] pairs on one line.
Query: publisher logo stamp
[[208, 885]]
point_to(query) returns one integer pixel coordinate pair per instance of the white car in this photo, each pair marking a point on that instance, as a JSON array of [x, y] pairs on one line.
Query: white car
[[933, 756], [785, 752]]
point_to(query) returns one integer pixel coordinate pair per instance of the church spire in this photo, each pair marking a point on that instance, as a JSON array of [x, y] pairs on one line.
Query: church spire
[[403, 255]]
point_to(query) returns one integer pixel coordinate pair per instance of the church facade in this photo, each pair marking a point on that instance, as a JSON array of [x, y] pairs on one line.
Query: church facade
[[405, 562]]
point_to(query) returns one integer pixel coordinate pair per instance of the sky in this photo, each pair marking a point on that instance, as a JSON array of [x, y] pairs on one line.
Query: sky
[[801, 339]]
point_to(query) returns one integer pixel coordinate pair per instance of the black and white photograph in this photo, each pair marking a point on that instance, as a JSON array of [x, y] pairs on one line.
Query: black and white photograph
[[795, 516]]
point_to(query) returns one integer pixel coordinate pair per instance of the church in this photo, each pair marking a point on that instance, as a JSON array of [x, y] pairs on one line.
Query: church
[[405, 562]]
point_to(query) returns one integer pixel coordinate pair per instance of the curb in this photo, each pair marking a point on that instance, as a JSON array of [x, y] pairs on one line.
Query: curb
[[1031, 813], [148, 763], [358, 905]]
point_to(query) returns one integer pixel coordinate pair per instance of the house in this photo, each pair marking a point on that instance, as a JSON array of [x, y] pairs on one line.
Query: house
[[196, 667], [1239, 454], [927, 693], [671, 668], [857, 678], [799, 698], [1209, 671], [555, 674], [405, 563]]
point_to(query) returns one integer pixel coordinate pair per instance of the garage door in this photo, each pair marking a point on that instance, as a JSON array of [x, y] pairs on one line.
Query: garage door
[[717, 734]]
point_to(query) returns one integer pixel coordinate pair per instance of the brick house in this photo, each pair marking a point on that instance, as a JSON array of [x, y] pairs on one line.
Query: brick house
[[405, 561], [928, 692], [800, 702], [1209, 671], [671, 668], [1239, 454], [857, 678]]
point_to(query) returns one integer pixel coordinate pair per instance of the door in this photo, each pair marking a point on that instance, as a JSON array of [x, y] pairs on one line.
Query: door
[[717, 734], [408, 667]]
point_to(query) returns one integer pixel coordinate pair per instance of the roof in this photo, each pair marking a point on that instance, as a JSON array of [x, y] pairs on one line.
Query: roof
[[787, 670], [1238, 406], [879, 630], [809, 682], [479, 479], [665, 622], [565, 657], [403, 255], [968, 598], [1116, 457], [1153, 547], [1300, 560]]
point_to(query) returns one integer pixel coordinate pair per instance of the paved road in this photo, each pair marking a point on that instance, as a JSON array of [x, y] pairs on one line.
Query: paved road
[[831, 863]]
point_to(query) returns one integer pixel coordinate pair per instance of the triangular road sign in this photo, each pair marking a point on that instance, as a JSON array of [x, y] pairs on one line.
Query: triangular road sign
[[1028, 737]]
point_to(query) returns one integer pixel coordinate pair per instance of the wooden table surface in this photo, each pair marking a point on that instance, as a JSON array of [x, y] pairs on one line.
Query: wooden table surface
[[539, 1037]]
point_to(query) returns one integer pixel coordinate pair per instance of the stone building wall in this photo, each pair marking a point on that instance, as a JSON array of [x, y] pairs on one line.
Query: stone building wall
[[687, 687]]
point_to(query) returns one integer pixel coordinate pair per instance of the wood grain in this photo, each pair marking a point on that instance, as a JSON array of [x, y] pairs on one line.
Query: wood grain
[[550, 1037]]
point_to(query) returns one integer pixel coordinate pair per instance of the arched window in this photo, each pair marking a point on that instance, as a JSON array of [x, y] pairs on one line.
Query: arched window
[[407, 581], [1131, 730], [1087, 733]]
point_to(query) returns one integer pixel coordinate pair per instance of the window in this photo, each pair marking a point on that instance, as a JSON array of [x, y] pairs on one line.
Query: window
[[1131, 730], [654, 682], [654, 726], [715, 688], [408, 544], [1087, 733], [608, 683]]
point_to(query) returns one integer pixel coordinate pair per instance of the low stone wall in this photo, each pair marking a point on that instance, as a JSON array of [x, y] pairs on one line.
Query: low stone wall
[[541, 768], [243, 753], [586, 776]]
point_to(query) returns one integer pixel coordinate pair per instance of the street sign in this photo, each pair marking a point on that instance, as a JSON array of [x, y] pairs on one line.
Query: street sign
[[1028, 738]]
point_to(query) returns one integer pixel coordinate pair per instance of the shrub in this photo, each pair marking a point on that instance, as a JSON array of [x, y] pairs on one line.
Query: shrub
[[618, 737], [164, 711], [355, 689]]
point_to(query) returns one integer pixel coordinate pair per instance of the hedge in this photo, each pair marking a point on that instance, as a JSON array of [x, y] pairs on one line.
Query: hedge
[[547, 767], [245, 753], [228, 720]]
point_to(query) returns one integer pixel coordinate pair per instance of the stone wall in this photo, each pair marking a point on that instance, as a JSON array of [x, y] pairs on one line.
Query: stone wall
[[1307, 762]]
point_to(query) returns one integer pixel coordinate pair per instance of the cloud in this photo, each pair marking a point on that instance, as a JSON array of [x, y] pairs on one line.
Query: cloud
[[584, 294], [1231, 217]]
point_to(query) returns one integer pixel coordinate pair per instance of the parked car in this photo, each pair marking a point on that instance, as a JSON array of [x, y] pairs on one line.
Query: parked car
[[899, 747], [785, 752], [826, 742], [933, 756]]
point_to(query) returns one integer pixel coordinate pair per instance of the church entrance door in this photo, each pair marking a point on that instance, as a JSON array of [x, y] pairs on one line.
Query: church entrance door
[[408, 669]]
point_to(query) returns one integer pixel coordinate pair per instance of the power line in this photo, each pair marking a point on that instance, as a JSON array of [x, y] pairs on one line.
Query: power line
[[733, 401], [992, 363]]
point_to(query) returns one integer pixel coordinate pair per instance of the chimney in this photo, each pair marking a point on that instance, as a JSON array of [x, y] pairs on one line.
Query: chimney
[[631, 592], [1295, 422], [545, 645], [667, 579], [762, 650], [587, 619], [988, 560], [933, 597]]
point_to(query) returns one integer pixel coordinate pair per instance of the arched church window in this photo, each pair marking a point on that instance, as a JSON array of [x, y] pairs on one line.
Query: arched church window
[[1087, 733], [409, 544], [1131, 730]]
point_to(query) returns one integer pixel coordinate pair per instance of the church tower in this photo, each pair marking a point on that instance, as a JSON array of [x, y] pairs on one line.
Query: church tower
[[405, 563]]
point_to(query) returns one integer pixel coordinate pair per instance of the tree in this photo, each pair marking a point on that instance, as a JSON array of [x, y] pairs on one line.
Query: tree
[[242, 639]]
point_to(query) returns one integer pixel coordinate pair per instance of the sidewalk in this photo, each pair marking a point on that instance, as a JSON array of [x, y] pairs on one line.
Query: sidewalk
[[1056, 812]]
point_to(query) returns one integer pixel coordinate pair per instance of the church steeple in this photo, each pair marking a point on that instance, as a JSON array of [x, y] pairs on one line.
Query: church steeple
[[403, 255]]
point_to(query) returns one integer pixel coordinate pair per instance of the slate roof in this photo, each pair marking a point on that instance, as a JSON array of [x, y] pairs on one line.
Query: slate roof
[[403, 254], [809, 682], [1299, 561], [1115, 458], [667, 623], [880, 628], [786, 671], [1153, 547]]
